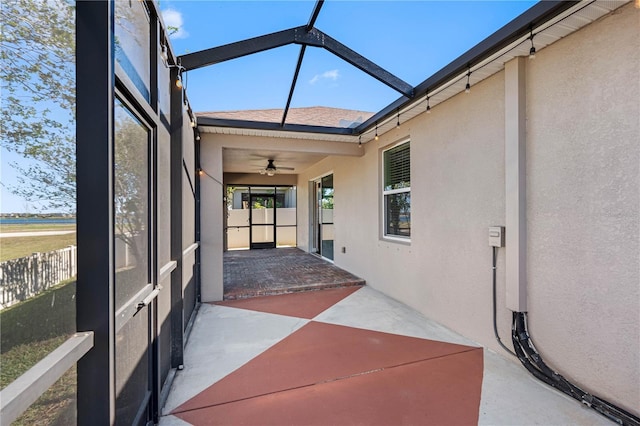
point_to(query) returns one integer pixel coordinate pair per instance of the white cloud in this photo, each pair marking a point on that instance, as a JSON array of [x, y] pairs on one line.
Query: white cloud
[[173, 19], [329, 75]]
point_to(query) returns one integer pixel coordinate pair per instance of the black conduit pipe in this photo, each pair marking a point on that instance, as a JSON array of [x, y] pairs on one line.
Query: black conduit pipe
[[495, 326], [533, 362]]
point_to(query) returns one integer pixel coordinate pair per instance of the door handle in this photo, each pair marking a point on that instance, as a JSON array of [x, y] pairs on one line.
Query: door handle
[[144, 302]]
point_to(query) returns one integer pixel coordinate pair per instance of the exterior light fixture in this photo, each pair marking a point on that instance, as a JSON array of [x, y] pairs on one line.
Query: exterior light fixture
[[179, 77], [197, 136], [163, 54], [398, 122], [428, 106], [193, 122], [376, 136], [532, 51], [467, 88]]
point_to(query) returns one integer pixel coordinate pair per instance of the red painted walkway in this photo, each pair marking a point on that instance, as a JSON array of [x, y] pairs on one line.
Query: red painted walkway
[[327, 374]]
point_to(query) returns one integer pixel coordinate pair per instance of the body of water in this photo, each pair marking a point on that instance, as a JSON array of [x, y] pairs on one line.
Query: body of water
[[32, 220]]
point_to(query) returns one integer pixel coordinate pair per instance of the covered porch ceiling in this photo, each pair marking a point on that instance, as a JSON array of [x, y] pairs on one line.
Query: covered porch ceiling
[[255, 160], [539, 26]]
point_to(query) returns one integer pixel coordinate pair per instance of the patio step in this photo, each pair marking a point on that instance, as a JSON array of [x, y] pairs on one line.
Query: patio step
[[272, 290]]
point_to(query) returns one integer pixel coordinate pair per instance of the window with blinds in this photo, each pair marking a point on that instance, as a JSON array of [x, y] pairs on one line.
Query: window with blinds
[[397, 167], [397, 191]]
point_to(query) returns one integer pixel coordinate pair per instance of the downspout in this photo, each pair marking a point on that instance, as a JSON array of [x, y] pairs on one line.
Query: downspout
[[516, 244]]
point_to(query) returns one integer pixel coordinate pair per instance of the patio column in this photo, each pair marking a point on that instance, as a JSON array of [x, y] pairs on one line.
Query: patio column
[[515, 180]]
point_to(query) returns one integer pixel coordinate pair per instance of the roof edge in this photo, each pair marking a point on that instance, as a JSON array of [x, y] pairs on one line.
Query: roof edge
[[265, 125]]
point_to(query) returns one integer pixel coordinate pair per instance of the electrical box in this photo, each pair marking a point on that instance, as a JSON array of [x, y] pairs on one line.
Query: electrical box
[[496, 236]]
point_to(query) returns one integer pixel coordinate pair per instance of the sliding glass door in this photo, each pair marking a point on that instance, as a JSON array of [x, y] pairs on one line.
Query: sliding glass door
[[322, 228]]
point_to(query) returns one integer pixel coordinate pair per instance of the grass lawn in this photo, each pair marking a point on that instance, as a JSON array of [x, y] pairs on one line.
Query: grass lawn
[[56, 405], [15, 247], [48, 315], [20, 358], [31, 330]]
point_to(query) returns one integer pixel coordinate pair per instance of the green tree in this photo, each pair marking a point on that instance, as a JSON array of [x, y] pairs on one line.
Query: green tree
[[37, 74]]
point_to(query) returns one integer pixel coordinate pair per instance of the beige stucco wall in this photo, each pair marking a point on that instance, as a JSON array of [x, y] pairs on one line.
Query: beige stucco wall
[[583, 209], [583, 160], [211, 219]]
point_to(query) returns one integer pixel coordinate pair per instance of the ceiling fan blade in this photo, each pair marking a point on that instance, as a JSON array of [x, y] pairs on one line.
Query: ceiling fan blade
[[285, 168]]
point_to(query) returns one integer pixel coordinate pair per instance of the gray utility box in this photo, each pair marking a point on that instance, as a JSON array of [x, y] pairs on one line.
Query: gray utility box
[[496, 236]]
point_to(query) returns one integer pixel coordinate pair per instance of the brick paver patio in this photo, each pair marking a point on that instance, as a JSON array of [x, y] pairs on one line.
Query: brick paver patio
[[250, 273]]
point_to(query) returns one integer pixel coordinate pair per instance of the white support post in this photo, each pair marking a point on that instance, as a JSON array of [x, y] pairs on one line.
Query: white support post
[[515, 195]]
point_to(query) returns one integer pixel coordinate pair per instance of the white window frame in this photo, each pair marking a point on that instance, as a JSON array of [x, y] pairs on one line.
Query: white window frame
[[384, 193]]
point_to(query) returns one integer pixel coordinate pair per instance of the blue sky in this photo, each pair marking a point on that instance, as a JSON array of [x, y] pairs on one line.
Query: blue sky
[[410, 39]]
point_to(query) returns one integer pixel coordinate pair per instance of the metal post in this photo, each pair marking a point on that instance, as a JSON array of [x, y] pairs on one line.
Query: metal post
[[94, 168], [177, 328]]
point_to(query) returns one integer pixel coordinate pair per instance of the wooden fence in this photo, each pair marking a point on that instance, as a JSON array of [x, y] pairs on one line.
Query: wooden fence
[[28, 276]]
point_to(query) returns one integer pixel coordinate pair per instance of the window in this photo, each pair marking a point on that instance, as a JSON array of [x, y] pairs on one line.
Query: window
[[396, 191]]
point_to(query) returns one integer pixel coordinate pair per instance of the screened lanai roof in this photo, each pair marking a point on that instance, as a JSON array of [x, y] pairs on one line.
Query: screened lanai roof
[[393, 58]]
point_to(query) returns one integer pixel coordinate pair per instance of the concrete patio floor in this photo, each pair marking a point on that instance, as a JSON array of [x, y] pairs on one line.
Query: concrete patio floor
[[349, 356]]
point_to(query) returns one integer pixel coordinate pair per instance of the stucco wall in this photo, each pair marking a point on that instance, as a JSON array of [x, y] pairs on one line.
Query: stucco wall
[[583, 160], [211, 214]]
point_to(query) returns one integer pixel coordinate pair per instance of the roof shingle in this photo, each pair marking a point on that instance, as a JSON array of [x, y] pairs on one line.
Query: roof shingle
[[313, 116]]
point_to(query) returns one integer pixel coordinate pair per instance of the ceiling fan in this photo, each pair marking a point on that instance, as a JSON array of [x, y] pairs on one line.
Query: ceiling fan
[[271, 169]]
